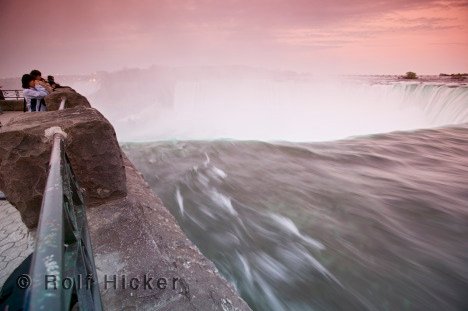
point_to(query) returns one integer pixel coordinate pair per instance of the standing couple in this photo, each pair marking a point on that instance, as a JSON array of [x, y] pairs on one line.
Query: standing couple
[[35, 88]]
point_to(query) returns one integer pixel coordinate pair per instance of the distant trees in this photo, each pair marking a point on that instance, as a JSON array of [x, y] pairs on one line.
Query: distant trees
[[455, 76], [410, 75]]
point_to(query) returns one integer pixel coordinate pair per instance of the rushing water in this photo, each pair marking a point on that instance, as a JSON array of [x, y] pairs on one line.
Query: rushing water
[[378, 222]]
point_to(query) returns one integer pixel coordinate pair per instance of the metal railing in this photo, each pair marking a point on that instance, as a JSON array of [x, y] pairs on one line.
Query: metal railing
[[11, 94], [62, 271], [62, 104]]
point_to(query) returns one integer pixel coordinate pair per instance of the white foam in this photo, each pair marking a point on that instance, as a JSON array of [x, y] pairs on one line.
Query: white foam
[[219, 172], [222, 200], [180, 201], [289, 225]]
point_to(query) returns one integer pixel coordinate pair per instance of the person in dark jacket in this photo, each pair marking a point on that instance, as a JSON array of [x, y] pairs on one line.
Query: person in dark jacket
[[53, 84]]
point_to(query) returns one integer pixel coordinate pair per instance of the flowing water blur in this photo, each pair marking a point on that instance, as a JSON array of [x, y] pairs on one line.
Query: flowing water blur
[[378, 222]]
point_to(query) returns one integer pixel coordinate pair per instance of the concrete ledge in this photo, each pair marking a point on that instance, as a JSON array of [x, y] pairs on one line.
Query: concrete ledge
[[137, 236]]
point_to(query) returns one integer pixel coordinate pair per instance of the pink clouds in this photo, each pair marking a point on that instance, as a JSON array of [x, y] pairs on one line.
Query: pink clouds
[[334, 36]]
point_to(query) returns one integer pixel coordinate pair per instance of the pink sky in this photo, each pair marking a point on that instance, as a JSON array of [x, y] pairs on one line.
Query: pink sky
[[334, 36]]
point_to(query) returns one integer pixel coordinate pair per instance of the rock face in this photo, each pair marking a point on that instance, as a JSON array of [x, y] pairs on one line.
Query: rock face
[[74, 99], [91, 146], [136, 238]]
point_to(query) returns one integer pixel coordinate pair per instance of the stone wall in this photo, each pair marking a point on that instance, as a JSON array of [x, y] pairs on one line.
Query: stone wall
[[12, 105], [91, 146]]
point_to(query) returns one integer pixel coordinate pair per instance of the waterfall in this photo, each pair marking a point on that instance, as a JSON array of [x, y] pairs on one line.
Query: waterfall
[[274, 109]]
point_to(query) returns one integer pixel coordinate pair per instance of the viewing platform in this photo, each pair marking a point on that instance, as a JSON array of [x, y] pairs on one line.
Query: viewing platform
[[16, 241]]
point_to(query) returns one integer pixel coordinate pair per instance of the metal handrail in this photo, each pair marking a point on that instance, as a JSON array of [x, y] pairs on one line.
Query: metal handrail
[[62, 269], [17, 94], [48, 255], [62, 104]]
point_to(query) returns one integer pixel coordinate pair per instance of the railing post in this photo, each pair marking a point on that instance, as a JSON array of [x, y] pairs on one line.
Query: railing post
[[11, 94], [62, 104]]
